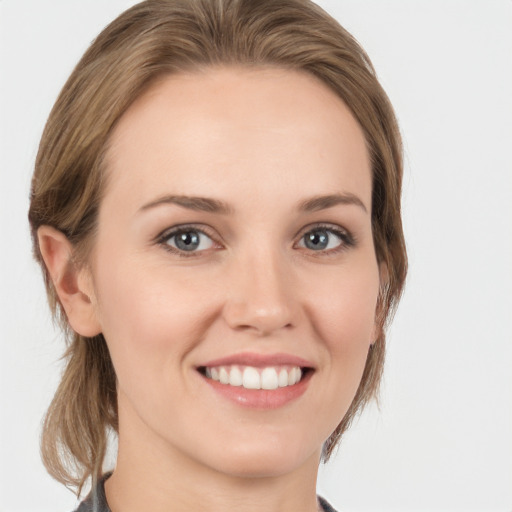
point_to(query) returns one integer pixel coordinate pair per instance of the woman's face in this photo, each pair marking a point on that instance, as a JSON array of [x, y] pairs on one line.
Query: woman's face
[[234, 251]]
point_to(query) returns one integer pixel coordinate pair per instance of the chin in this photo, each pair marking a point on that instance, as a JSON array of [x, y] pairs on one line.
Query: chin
[[269, 459]]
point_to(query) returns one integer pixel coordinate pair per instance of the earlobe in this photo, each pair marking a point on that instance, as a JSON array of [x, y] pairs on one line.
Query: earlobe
[[73, 286]]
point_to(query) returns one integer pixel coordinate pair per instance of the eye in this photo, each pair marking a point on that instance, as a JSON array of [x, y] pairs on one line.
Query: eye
[[325, 239], [187, 240]]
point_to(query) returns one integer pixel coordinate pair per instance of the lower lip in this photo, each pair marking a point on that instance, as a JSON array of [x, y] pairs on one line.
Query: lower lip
[[260, 398]]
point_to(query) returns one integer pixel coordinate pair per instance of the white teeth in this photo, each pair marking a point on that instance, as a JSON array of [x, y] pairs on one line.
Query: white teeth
[[235, 377], [294, 376], [223, 376], [251, 378], [283, 378], [269, 379], [255, 378]]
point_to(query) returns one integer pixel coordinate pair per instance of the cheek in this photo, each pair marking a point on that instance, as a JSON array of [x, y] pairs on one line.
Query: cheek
[[150, 320], [345, 306], [343, 313]]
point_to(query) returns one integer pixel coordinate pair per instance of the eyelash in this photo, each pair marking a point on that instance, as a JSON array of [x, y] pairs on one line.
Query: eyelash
[[164, 238], [347, 239]]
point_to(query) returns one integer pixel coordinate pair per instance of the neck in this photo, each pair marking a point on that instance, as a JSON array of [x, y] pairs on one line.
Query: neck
[[152, 476]]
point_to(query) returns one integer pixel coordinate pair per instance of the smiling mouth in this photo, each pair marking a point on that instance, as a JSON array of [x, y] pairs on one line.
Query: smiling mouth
[[251, 377]]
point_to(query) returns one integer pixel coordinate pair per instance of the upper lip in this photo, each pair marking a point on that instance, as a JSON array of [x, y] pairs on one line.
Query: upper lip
[[259, 360]]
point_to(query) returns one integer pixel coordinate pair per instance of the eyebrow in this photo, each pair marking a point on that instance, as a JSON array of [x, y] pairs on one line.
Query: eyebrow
[[202, 204], [318, 203], [209, 205]]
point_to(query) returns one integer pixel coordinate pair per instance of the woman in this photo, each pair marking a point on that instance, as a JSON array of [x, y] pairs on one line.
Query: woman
[[216, 209]]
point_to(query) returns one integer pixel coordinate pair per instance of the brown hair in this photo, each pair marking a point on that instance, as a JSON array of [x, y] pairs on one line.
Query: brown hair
[[152, 39]]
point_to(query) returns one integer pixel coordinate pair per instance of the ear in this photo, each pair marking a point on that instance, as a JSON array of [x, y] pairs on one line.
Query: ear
[[73, 286], [383, 282]]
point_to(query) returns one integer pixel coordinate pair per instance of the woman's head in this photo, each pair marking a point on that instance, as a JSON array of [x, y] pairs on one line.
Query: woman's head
[[132, 61]]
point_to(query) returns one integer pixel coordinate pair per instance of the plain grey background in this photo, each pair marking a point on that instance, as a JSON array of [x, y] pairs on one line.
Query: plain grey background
[[442, 440]]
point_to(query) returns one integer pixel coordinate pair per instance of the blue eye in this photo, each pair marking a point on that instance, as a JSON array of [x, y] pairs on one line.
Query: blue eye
[[188, 240], [324, 239]]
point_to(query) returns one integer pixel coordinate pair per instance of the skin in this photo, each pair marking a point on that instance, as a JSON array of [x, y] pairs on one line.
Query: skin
[[262, 141]]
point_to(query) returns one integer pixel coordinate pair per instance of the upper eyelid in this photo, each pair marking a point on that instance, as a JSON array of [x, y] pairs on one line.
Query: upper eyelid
[[163, 238], [168, 232], [335, 228], [347, 238], [215, 236]]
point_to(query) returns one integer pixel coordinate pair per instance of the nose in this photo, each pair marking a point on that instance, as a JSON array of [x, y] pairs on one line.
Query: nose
[[261, 295]]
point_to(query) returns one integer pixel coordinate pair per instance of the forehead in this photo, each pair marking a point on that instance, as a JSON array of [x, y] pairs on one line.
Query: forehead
[[238, 126]]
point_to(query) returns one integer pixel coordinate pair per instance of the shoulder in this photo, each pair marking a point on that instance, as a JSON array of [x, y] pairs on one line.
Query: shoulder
[[96, 501], [326, 506], [85, 506], [92, 505]]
